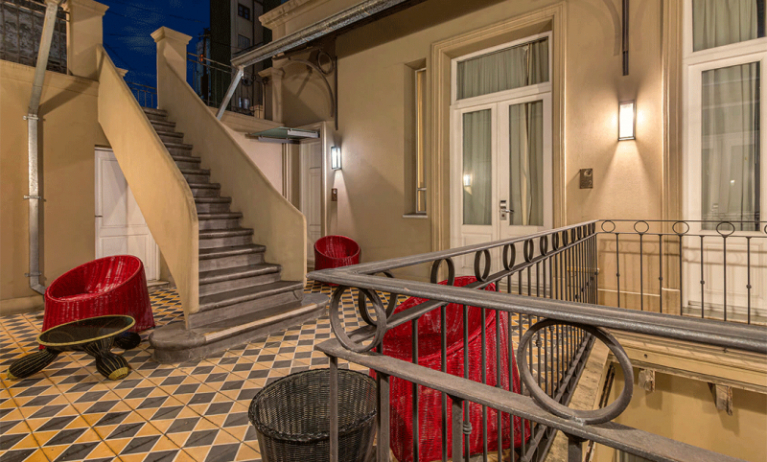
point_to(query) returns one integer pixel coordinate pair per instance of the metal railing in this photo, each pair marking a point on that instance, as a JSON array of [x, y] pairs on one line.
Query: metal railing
[[210, 80], [144, 94], [21, 24], [709, 269], [548, 295]]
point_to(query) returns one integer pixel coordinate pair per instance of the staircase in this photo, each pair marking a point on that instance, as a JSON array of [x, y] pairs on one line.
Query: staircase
[[241, 295]]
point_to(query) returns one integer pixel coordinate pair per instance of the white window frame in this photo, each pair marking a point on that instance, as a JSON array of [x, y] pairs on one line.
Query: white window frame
[[694, 64], [514, 93]]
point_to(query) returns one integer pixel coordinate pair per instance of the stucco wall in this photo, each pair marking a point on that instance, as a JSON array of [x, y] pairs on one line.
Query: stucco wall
[[684, 410], [373, 108], [69, 132]]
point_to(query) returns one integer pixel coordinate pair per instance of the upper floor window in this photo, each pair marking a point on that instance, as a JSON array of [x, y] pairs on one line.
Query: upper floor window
[[510, 67], [725, 59], [243, 11], [243, 42]]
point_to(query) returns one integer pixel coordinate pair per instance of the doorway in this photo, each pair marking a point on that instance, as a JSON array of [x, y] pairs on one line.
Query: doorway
[[501, 178], [310, 155], [120, 225]]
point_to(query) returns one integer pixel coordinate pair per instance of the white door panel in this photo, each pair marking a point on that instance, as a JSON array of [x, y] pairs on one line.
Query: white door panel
[[120, 225], [311, 191]]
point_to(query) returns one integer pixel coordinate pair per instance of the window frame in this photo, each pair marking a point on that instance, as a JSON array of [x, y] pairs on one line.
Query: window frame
[[694, 64], [537, 88], [240, 8], [420, 188], [240, 36]]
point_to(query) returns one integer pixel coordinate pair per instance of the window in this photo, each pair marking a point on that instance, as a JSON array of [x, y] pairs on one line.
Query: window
[[420, 170], [243, 11], [243, 42], [726, 54]]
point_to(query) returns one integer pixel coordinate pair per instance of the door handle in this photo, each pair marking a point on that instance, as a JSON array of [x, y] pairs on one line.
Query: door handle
[[504, 210]]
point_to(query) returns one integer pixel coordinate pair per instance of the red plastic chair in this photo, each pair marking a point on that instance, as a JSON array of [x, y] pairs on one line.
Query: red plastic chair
[[398, 344], [335, 251], [111, 285]]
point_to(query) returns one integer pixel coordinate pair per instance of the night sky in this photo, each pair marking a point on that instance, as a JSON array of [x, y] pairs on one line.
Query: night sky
[[129, 23]]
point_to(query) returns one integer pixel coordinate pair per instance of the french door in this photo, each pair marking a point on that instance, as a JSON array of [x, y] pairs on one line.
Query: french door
[[501, 173]]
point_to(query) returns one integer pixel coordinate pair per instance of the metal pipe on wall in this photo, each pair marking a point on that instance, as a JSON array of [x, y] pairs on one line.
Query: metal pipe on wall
[[33, 121]]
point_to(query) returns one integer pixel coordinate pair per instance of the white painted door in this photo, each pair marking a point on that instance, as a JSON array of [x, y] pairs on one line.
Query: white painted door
[[310, 154], [120, 226], [501, 177]]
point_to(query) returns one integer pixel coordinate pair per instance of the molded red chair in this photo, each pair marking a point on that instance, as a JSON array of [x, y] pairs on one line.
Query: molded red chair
[[111, 285], [335, 251], [398, 344]]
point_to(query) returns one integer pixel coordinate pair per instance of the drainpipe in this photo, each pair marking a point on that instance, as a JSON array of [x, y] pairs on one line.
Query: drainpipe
[[33, 121]]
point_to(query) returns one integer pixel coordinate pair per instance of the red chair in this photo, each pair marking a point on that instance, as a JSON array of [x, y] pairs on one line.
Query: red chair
[[111, 285], [398, 344], [335, 251]]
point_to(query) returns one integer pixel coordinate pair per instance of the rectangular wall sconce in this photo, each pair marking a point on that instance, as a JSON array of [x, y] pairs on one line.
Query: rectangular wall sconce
[[335, 158], [467, 180], [626, 121]]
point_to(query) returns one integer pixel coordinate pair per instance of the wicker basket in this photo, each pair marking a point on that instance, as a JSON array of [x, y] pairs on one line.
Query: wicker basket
[[292, 417]]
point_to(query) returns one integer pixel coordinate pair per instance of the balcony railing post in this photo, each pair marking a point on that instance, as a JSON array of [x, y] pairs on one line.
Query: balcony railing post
[[383, 417], [457, 428], [333, 404], [574, 449]]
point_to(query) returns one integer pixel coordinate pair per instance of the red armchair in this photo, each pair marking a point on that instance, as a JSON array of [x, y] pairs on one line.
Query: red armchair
[[111, 285]]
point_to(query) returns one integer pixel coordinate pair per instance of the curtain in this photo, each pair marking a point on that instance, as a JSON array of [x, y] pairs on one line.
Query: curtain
[[717, 23], [477, 168], [730, 146], [506, 69], [526, 163]]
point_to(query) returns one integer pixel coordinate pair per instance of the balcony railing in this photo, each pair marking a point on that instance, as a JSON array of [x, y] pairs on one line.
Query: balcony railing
[[21, 25], [211, 79], [546, 288]]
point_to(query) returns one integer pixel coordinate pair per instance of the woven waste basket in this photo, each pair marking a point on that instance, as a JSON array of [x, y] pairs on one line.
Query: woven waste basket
[[292, 417]]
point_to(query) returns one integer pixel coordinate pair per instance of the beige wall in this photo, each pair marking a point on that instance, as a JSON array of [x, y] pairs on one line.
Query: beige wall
[[683, 410], [69, 132], [373, 110]]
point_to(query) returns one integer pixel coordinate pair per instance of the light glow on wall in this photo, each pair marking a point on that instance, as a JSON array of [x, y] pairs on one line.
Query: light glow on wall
[[626, 121], [467, 180], [335, 158]]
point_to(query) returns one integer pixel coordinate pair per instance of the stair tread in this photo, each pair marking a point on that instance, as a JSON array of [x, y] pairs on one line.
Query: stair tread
[[213, 200], [214, 301], [171, 144], [169, 133], [151, 110], [214, 233], [218, 252], [163, 122], [228, 274], [205, 185], [180, 158], [218, 215], [195, 171]]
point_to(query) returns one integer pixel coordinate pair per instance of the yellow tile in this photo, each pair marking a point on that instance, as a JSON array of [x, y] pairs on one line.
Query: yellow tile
[[37, 456]]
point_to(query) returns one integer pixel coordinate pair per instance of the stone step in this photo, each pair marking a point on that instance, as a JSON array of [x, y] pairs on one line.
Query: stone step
[[236, 303], [163, 125], [212, 204], [179, 149], [205, 189], [211, 238], [186, 162], [229, 279], [219, 220], [156, 114], [170, 137], [231, 257], [173, 343], [196, 175]]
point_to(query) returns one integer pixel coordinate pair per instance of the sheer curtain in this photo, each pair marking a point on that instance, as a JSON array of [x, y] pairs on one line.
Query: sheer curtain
[[730, 145], [526, 163], [477, 168], [722, 22], [506, 69]]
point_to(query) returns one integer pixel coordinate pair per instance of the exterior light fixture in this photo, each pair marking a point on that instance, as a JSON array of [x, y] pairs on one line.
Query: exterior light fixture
[[335, 158], [626, 121], [467, 180]]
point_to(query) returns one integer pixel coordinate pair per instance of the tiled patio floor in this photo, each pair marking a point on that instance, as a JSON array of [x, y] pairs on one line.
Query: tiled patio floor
[[194, 411]]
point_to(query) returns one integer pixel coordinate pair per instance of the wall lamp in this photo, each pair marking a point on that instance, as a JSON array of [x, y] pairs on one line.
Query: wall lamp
[[626, 121], [335, 158]]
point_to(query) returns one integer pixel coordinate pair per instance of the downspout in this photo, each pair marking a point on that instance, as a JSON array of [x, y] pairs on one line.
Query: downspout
[[33, 121]]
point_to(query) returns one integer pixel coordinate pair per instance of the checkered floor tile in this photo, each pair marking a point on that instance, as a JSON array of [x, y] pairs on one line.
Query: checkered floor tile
[[193, 411]]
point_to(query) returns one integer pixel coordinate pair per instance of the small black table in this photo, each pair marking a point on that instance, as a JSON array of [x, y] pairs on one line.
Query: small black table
[[96, 336]]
